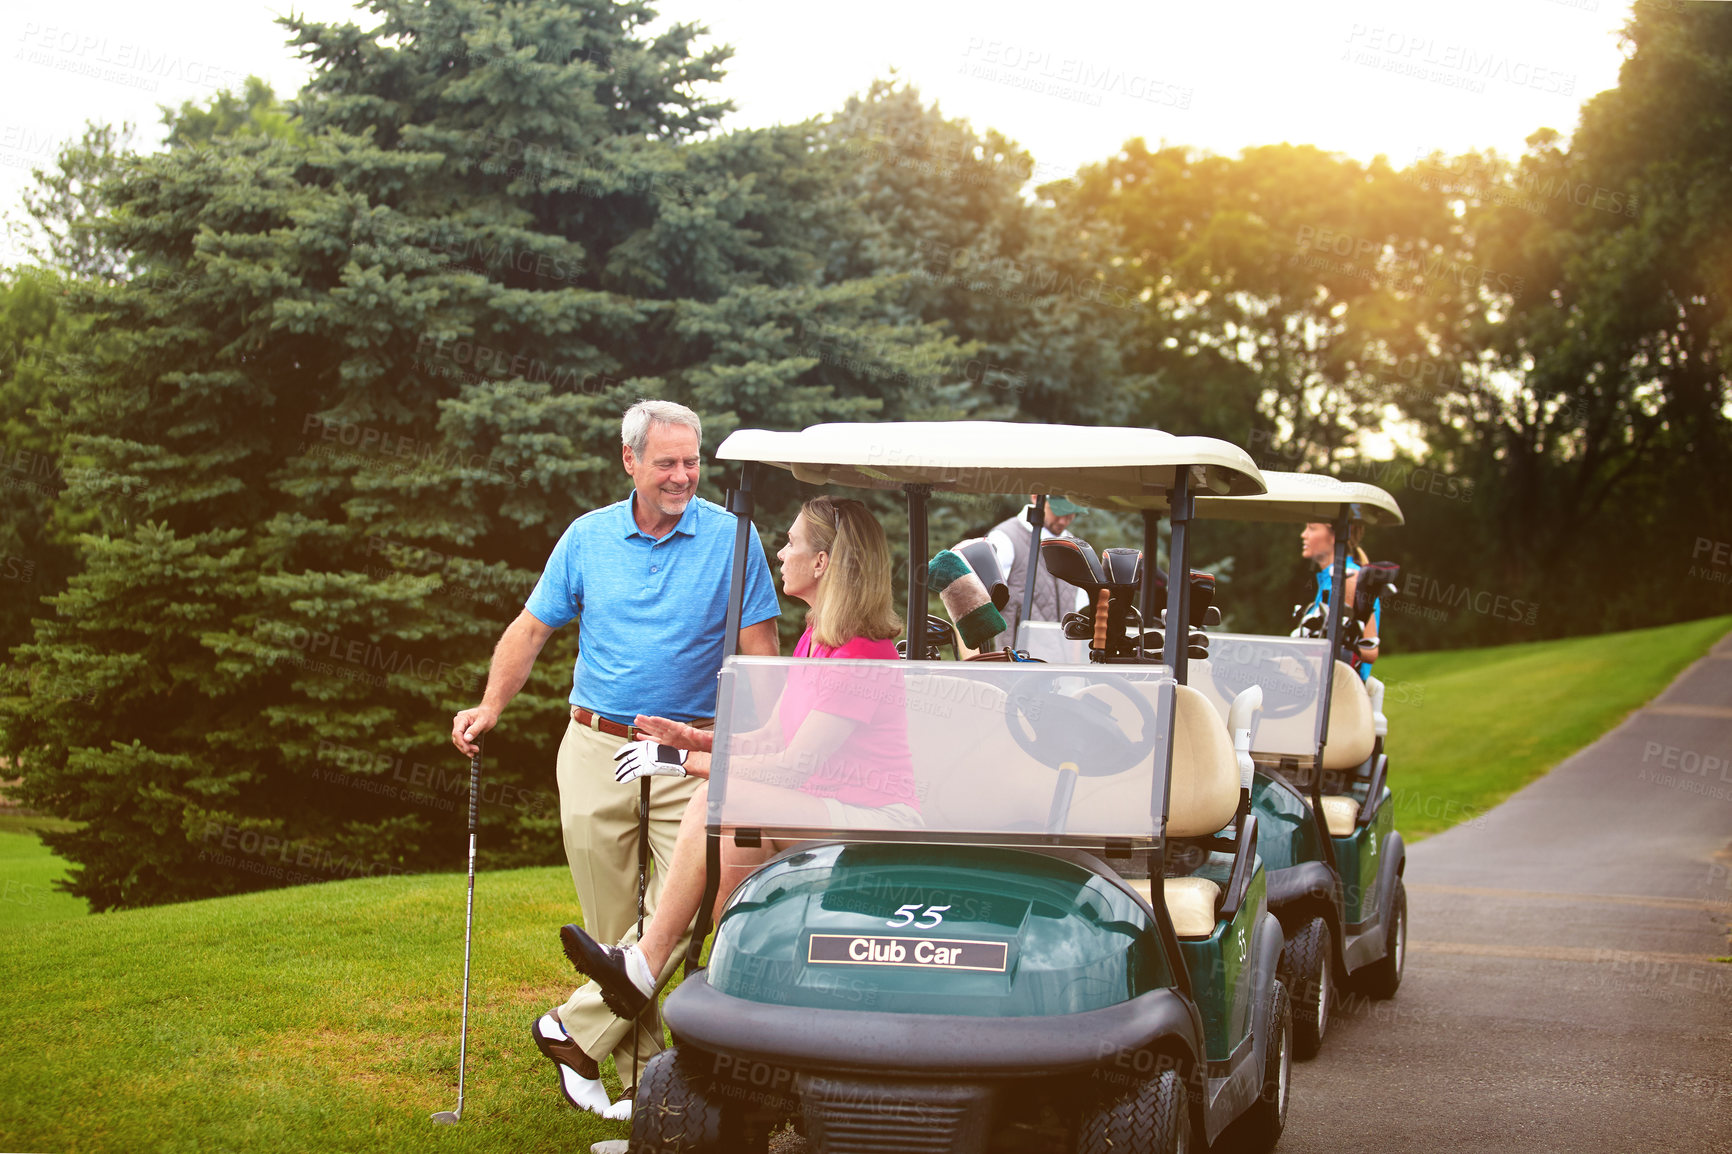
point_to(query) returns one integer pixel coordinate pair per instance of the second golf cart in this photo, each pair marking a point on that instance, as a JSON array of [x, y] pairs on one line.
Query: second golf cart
[[1322, 796]]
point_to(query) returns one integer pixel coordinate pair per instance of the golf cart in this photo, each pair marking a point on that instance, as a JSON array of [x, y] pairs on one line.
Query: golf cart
[[1072, 948], [1335, 861]]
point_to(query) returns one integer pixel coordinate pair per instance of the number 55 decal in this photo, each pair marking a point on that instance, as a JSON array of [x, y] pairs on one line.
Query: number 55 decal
[[907, 914]]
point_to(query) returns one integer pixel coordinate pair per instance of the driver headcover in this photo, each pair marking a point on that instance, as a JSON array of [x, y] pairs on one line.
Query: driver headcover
[[965, 599]]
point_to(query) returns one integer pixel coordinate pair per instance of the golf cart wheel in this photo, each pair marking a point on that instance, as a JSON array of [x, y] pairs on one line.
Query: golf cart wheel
[[1152, 1118], [671, 1114], [1308, 972], [1383, 977], [1263, 1122]]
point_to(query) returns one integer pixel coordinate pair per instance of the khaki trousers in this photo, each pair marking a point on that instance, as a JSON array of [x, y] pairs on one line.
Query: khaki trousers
[[598, 818]]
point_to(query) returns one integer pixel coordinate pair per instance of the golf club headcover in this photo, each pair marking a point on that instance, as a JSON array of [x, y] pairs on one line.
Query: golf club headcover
[[965, 599]]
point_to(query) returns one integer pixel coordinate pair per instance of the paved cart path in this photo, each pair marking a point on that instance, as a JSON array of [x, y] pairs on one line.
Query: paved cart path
[[1561, 992]]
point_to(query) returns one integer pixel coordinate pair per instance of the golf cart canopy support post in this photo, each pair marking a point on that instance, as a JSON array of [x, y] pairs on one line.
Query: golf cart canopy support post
[[1146, 595], [1037, 519], [1337, 595], [740, 504], [916, 627], [1176, 648]]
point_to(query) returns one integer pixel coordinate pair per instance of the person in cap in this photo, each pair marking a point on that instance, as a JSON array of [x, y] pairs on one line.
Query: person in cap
[[1010, 540]]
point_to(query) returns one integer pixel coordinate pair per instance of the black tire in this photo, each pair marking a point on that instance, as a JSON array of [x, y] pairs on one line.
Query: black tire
[[1308, 972], [1154, 1118], [1383, 977], [671, 1114], [1261, 1125]]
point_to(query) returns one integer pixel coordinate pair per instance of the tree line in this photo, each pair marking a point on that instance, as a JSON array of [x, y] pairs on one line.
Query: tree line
[[295, 407]]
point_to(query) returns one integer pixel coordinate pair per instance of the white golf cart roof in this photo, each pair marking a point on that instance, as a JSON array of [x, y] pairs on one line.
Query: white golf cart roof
[[1303, 497], [1102, 467]]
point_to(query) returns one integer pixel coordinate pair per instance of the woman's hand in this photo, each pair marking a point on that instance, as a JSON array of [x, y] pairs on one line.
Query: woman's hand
[[674, 733]]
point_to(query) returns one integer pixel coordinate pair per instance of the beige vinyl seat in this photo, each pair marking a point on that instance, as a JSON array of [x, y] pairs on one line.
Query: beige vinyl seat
[[1340, 812], [1203, 798], [1352, 726], [1351, 738]]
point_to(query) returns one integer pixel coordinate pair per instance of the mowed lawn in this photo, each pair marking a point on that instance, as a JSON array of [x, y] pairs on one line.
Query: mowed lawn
[[326, 1017], [314, 1018], [1469, 727], [28, 871]]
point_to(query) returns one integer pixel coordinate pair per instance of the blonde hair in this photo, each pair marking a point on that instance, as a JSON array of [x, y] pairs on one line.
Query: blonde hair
[[854, 596]]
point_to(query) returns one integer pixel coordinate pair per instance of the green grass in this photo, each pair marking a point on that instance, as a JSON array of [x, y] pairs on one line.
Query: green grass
[[28, 872], [1469, 727], [314, 1018], [326, 1017]]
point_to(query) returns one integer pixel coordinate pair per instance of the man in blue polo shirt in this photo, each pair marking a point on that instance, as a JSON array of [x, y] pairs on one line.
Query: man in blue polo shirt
[[647, 581]]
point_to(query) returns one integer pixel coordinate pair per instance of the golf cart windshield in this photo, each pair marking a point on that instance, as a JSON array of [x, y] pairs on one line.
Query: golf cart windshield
[[1290, 672], [941, 751]]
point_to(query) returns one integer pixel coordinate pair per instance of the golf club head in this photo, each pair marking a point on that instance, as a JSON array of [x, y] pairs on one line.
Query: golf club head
[[447, 1117], [1073, 561]]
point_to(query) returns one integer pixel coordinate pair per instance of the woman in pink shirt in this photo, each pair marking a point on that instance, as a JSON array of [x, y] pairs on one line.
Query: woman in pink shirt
[[833, 754]]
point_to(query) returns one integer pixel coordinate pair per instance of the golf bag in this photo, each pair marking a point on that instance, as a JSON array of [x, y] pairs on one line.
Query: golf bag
[[1373, 580]]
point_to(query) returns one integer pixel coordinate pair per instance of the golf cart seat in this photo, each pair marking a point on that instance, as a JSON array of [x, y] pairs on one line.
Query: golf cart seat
[[1340, 814], [1352, 726], [1191, 903], [1203, 798], [1352, 737]]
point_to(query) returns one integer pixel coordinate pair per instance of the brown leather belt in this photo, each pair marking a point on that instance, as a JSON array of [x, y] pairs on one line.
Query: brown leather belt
[[601, 724]]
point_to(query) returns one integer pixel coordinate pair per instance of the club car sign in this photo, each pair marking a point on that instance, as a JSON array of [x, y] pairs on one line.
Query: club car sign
[[922, 953]]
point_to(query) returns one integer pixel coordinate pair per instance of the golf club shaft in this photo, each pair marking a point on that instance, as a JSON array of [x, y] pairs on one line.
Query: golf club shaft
[[468, 924], [643, 804]]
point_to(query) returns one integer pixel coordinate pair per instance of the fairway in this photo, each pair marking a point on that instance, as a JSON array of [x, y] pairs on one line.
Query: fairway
[[1469, 727]]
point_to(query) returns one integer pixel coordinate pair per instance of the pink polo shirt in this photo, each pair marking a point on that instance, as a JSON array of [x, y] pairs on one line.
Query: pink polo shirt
[[873, 768]]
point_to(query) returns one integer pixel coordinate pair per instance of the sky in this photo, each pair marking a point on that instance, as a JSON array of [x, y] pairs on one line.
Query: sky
[[1070, 81]]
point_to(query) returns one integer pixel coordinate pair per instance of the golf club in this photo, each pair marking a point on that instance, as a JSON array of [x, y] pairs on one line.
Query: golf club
[[643, 806], [451, 1117]]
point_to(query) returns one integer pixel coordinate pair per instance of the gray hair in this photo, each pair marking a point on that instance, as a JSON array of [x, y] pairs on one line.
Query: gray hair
[[634, 429]]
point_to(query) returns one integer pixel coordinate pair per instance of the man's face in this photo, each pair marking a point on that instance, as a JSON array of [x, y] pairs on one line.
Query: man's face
[[667, 476], [1054, 523]]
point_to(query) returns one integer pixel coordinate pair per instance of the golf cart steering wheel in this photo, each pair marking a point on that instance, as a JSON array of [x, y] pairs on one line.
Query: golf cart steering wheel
[[1054, 727], [1284, 695]]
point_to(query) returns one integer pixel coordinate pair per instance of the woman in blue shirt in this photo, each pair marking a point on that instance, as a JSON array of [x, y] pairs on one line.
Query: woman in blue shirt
[[1317, 541]]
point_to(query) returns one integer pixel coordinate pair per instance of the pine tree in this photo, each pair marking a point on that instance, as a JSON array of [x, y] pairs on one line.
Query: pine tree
[[362, 373]]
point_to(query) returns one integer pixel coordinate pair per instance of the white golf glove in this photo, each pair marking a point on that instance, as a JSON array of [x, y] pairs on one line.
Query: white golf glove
[[648, 758]]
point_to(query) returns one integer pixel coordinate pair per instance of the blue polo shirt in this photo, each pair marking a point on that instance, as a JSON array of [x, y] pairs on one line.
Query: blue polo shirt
[[650, 613]]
